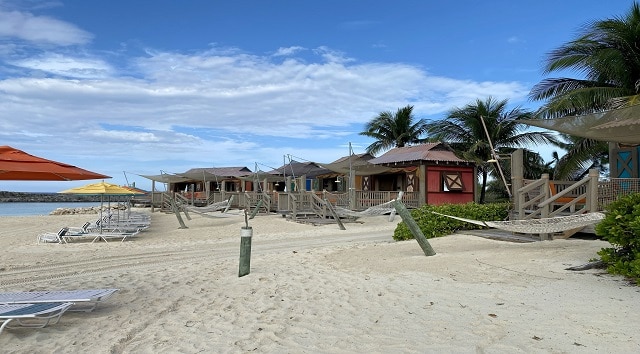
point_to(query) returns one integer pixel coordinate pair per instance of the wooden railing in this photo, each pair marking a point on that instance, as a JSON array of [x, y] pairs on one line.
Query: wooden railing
[[544, 198]]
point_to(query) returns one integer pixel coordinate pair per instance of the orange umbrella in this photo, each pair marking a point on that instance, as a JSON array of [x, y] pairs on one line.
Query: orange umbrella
[[17, 165]]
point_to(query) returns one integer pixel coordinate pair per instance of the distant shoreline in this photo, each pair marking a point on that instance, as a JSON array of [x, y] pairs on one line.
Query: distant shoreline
[[28, 197]]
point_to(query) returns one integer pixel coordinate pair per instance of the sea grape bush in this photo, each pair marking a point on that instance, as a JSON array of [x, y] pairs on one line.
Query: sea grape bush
[[621, 227], [433, 225]]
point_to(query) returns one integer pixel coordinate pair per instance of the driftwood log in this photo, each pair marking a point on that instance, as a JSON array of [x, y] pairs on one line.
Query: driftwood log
[[590, 265]]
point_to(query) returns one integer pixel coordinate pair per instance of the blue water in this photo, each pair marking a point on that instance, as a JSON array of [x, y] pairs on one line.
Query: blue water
[[29, 209]]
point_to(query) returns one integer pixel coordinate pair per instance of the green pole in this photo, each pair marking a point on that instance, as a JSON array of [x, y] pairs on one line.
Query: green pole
[[245, 251], [415, 229], [246, 232]]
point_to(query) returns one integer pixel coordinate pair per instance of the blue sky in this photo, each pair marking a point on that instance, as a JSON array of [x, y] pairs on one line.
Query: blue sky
[[138, 87]]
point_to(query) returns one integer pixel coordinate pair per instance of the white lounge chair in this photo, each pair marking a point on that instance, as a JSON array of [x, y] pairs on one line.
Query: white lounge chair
[[83, 300], [32, 315], [65, 235]]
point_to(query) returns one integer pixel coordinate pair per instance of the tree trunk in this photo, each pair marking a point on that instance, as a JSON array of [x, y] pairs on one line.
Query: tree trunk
[[483, 190]]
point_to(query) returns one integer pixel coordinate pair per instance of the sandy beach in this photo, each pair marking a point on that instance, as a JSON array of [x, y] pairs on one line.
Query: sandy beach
[[316, 289]]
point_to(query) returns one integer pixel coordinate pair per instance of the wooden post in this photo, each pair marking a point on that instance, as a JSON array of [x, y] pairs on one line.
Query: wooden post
[[392, 215], [544, 213], [226, 209], [153, 194], [174, 206], [257, 208], [334, 214], [246, 232], [415, 229], [245, 250], [592, 196], [517, 179], [186, 213]]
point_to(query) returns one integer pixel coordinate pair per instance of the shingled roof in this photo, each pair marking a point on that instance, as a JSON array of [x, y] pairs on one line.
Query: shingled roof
[[297, 169], [435, 152]]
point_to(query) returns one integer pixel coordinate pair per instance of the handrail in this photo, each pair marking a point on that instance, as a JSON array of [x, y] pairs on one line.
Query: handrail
[[530, 186], [565, 191]]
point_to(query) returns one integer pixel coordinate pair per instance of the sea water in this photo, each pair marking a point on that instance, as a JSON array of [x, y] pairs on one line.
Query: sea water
[[30, 209]]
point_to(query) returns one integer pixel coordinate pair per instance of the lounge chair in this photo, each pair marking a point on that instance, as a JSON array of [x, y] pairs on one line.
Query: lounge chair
[[32, 315], [55, 237], [84, 300], [65, 235]]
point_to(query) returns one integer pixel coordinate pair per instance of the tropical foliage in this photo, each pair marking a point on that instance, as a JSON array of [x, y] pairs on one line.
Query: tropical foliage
[[394, 130], [582, 155], [607, 56], [434, 225], [607, 53], [484, 130], [621, 227]]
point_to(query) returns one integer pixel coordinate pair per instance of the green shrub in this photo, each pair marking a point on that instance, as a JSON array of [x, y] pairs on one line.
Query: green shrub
[[621, 227], [433, 225]]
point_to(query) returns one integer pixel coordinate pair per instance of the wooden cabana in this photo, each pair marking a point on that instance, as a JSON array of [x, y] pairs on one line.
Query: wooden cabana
[[432, 171]]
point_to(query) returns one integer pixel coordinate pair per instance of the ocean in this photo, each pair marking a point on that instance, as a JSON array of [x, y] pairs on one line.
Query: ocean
[[30, 209]]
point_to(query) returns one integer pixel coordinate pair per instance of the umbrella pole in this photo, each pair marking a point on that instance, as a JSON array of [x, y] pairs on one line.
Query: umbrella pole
[[101, 205]]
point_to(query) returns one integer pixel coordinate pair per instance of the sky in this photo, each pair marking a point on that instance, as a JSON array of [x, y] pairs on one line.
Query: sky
[[130, 88]]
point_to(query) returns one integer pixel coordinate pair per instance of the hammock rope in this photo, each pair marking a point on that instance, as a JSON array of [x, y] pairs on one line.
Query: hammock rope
[[537, 226], [209, 208], [375, 210]]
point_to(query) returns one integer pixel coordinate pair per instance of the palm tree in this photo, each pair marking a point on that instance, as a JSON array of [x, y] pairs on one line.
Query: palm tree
[[464, 131], [534, 167], [582, 155], [394, 130], [607, 54]]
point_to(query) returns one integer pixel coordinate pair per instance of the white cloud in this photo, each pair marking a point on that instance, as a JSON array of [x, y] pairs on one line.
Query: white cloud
[[72, 67], [222, 108], [288, 51], [40, 29]]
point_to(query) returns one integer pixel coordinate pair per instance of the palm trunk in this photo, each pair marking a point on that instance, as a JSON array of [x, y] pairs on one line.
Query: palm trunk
[[484, 185]]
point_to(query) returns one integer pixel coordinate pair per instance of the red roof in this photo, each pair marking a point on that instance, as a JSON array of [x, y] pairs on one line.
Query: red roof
[[436, 152]]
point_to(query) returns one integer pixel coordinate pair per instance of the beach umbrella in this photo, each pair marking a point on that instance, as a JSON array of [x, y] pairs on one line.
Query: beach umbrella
[[103, 189], [17, 165]]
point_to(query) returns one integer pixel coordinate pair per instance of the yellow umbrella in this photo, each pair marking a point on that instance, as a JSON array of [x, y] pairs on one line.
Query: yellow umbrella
[[102, 188]]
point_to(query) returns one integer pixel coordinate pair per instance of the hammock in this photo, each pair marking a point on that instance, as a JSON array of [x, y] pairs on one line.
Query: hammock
[[375, 210], [216, 215], [208, 208], [538, 226], [225, 204]]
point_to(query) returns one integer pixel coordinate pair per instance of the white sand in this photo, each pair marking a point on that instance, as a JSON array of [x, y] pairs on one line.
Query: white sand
[[317, 289]]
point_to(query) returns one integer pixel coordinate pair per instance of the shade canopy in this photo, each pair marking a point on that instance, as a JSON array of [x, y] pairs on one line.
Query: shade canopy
[[102, 188], [167, 178], [17, 165], [359, 165], [261, 176], [620, 125]]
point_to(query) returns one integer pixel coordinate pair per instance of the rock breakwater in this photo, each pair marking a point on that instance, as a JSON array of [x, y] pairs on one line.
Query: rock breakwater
[[9, 197]]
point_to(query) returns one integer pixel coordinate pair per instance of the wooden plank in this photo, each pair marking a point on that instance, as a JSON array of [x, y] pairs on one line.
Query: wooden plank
[[415, 229]]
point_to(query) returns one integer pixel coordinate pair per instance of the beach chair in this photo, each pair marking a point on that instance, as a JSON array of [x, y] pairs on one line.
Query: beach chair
[[65, 235], [84, 300], [55, 237], [32, 315]]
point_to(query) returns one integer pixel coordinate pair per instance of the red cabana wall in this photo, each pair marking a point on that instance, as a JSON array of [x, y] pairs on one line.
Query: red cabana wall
[[437, 195]]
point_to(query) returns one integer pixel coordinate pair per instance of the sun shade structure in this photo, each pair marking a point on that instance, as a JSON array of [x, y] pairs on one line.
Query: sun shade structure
[[102, 188], [359, 165], [17, 165], [620, 125]]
